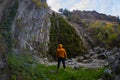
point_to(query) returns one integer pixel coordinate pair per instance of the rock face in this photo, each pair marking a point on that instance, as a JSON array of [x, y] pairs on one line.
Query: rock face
[[31, 27], [4, 4], [95, 15]]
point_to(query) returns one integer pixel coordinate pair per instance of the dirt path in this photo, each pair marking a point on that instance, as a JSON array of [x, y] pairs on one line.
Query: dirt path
[[95, 63]]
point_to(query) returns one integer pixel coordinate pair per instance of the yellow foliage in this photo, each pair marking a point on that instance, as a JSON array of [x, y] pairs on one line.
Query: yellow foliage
[[113, 36], [38, 3], [35, 1], [45, 5], [104, 26], [96, 24], [108, 27]]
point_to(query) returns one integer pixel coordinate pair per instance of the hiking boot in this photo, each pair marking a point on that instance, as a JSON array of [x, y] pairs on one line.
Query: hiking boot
[[64, 69]]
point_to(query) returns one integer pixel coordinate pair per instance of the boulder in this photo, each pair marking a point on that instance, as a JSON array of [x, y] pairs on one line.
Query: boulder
[[87, 56], [117, 77], [102, 56], [80, 59], [87, 61], [76, 66]]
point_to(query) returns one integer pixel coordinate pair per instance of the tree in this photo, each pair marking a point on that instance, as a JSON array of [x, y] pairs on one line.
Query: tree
[[61, 10], [66, 12]]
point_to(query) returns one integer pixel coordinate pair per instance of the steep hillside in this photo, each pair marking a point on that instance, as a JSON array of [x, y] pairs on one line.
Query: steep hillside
[[90, 15], [27, 28], [5, 9], [24, 27], [4, 5], [31, 27], [8, 11], [96, 28], [30, 31], [62, 32]]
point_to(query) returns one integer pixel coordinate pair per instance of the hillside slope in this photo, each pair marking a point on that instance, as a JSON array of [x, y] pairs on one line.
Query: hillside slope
[[30, 27], [96, 28], [61, 31]]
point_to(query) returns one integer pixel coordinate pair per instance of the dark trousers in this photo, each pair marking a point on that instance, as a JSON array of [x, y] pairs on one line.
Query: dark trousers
[[60, 59]]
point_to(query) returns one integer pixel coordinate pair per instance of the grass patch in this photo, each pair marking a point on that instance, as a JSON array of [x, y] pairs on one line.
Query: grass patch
[[24, 67], [72, 74]]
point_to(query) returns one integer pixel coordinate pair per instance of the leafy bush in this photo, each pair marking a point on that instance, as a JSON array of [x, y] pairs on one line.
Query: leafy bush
[[35, 1], [45, 5], [105, 34], [40, 4], [6, 25], [20, 66]]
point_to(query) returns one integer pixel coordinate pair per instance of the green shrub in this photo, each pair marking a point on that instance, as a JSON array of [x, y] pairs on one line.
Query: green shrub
[[38, 3], [6, 25], [45, 5], [62, 32], [35, 1], [105, 34]]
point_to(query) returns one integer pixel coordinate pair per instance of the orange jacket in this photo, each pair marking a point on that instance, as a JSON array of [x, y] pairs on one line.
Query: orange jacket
[[61, 52]]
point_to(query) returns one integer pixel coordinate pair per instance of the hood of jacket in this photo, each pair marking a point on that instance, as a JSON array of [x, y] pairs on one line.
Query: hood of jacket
[[60, 45]]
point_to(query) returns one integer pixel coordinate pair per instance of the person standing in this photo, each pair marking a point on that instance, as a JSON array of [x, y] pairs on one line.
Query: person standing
[[61, 55]]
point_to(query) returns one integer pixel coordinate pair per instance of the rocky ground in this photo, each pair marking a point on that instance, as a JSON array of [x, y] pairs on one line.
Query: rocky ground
[[96, 58], [74, 63]]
